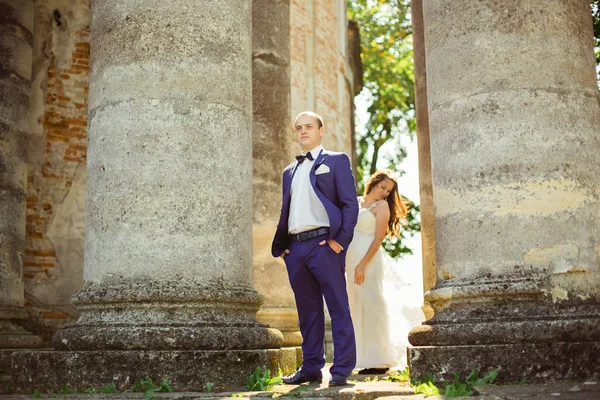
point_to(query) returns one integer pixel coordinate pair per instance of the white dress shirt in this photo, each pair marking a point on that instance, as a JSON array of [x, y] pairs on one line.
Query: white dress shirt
[[306, 210]]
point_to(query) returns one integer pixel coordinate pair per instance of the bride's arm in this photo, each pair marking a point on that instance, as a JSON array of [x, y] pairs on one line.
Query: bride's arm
[[382, 217]]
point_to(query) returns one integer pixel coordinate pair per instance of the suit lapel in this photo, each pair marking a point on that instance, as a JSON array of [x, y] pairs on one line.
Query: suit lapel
[[293, 172], [320, 158], [313, 176], [289, 188]]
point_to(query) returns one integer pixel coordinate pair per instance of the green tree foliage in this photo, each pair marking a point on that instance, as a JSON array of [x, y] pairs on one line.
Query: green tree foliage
[[387, 60], [388, 79]]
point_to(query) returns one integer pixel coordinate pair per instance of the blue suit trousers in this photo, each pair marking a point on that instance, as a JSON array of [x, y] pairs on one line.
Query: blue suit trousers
[[315, 272]]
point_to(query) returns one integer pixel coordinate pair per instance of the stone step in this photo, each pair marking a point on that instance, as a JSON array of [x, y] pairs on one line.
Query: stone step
[[367, 387], [6, 357], [589, 390], [354, 390], [362, 391], [5, 383], [358, 390]]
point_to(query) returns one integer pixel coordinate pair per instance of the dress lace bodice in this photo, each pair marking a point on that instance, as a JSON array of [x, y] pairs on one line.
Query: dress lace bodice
[[366, 221]]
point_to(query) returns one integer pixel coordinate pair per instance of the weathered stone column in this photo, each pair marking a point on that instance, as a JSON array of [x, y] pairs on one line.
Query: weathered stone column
[[168, 246], [422, 118], [271, 88], [514, 114], [16, 26]]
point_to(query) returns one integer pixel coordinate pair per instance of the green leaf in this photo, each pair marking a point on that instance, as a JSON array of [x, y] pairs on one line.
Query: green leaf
[[149, 394], [274, 381], [261, 380], [165, 385], [110, 388], [143, 385], [427, 388], [399, 376], [488, 379]]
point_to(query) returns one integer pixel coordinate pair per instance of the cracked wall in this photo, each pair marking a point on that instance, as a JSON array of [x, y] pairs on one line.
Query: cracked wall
[[56, 156]]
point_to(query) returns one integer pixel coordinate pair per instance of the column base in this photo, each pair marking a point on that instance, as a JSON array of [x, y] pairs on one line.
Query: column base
[[285, 320], [536, 362], [14, 337], [19, 339], [6, 357], [190, 370]]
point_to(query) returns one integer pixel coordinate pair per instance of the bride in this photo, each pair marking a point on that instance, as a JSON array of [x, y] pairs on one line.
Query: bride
[[383, 303]]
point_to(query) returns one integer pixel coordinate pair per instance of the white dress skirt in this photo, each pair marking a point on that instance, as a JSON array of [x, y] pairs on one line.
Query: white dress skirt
[[385, 307]]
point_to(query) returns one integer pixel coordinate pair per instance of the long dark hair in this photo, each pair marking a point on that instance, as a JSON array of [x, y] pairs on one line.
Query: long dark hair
[[397, 204]]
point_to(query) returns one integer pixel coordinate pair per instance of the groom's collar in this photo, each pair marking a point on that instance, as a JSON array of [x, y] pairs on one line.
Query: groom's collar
[[316, 151]]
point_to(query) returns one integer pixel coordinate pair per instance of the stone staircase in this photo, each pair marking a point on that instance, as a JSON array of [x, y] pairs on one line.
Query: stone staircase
[[360, 387]]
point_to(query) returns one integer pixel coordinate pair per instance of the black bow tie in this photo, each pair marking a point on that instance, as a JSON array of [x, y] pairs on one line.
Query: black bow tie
[[303, 157]]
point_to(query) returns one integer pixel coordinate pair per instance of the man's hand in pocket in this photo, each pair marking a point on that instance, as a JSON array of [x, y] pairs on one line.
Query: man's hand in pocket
[[335, 246]]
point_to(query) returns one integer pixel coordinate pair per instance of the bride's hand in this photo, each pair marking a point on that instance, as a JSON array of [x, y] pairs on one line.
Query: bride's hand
[[359, 274]]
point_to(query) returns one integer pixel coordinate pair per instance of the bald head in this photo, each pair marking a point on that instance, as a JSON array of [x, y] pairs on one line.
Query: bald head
[[317, 117]]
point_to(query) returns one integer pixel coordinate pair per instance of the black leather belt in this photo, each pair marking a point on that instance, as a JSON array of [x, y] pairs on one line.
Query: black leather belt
[[307, 235]]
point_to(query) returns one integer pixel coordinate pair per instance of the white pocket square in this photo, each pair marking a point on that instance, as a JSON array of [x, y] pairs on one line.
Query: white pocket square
[[323, 169]]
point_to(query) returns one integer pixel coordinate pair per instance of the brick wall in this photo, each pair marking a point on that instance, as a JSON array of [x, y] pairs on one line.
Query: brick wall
[[320, 73], [57, 151], [300, 36], [65, 128]]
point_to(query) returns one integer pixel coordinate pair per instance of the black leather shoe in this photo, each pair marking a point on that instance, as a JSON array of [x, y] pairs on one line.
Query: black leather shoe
[[338, 380], [299, 377]]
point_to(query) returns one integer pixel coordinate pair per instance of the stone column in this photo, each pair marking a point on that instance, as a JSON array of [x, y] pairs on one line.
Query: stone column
[[514, 112], [271, 128], [425, 178], [355, 81], [168, 245], [16, 38]]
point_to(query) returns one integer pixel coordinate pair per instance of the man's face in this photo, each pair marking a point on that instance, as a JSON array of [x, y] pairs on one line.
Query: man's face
[[308, 133]]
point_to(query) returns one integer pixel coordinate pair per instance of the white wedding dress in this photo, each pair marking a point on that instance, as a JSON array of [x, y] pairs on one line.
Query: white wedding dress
[[385, 307]]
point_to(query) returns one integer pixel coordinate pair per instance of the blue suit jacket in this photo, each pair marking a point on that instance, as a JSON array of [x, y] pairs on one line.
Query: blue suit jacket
[[337, 192]]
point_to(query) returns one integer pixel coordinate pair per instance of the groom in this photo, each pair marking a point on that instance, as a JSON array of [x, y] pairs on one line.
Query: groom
[[318, 215]]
